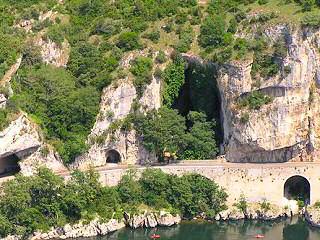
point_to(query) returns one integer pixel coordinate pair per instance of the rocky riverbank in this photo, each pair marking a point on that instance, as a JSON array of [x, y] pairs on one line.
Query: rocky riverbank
[[149, 219], [255, 211], [312, 215], [96, 227]]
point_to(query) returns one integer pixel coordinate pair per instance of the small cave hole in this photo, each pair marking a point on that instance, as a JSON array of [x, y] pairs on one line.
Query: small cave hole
[[113, 156], [9, 165]]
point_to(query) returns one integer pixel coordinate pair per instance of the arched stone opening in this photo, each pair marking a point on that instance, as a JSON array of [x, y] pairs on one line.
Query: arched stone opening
[[9, 165], [113, 156], [297, 188]]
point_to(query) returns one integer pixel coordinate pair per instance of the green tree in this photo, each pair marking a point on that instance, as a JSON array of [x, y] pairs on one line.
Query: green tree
[[173, 80], [200, 140], [141, 69], [128, 41], [129, 189], [162, 130], [212, 31]]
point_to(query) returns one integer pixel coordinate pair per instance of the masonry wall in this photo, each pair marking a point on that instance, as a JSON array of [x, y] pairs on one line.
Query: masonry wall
[[255, 181]]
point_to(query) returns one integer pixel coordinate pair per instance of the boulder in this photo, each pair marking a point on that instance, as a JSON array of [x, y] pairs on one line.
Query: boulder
[[150, 221], [137, 221], [166, 219]]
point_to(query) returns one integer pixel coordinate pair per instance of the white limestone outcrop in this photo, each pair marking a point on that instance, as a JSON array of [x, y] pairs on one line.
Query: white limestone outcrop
[[288, 128], [19, 138], [116, 103], [22, 140]]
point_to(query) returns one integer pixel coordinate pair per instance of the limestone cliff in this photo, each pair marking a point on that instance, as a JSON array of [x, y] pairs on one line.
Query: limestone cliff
[[116, 103], [287, 129], [20, 149]]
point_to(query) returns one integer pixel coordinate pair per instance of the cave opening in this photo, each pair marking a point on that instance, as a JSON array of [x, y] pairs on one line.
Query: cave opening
[[113, 156], [9, 165], [200, 93], [297, 188]]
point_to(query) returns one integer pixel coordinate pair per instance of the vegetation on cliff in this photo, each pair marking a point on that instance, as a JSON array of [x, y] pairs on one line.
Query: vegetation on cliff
[[65, 101], [44, 200]]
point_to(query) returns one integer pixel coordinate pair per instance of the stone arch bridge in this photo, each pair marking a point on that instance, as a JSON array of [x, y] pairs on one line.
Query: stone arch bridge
[[271, 181]]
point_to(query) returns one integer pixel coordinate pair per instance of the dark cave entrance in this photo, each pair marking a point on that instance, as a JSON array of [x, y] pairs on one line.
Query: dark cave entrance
[[200, 93], [297, 188], [9, 165], [113, 156]]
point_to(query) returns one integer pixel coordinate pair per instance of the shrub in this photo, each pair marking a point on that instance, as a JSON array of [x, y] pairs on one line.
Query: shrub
[[255, 100], [311, 20], [244, 118], [317, 204], [265, 206], [185, 39], [212, 31], [141, 69], [287, 70], [158, 73], [242, 204], [173, 79], [161, 57], [128, 41], [280, 48], [154, 36], [262, 2]]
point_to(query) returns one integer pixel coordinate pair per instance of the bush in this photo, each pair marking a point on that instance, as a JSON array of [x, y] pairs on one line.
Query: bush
[[141, 69], [161, 57], [262, 2], [311, 20], [158, 73], [173, 79], [185, 39], [317, 204], [154, 36], [265, 206], [212, 31], [242, 204], [128, 41], [244, 118], [255, 100]]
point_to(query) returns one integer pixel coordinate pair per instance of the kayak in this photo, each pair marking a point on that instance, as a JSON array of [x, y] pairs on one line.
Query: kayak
[[259, 236], [155, 236]]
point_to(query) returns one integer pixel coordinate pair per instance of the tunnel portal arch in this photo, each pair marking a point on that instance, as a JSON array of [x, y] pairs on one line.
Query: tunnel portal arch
[[297, 188], [113, 156]]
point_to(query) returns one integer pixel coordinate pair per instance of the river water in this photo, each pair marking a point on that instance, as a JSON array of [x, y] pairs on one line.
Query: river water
[[291, 229]]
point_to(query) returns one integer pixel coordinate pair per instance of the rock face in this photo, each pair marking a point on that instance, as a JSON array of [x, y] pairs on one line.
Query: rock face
[[286, 129], [3, 101], [94, 228], [116, 103], [312, 215], [53, 54], [20, 146], [19, 138], [150, 220], [51, 160], [254, 211]]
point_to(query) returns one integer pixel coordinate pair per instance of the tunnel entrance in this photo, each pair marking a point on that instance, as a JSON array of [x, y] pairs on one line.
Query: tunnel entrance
[[200, 93], [297, 188], [113, 156], [9, 165]]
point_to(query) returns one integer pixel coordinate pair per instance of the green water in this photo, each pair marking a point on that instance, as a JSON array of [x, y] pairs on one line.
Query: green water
[[294, 229]]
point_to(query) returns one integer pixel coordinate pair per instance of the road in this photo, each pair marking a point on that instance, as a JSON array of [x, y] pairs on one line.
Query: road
[[205, 163]]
